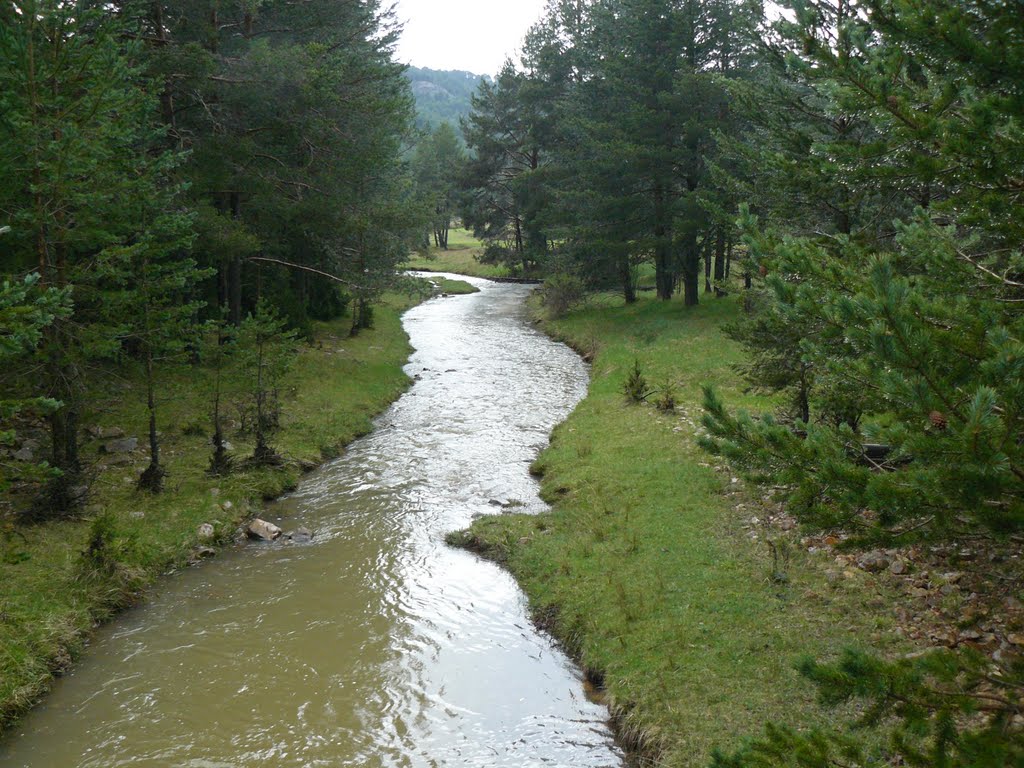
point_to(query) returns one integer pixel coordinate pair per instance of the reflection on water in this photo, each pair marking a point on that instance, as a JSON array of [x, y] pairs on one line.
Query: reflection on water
[[376, 644]]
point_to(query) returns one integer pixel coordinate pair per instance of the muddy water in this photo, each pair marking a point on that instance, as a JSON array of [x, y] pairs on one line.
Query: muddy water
[[376, 644]]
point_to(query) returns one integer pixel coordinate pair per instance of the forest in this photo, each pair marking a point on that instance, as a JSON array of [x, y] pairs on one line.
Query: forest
[[198, 183]]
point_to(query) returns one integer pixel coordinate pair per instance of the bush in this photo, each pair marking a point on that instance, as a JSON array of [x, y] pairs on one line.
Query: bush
[[635, 387], [561, 293], [666, 400]]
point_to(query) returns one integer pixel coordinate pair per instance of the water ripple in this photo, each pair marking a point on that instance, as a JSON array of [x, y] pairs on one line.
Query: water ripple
[[376, 645]]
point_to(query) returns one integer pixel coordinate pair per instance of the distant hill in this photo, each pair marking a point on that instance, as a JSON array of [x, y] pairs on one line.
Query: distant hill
[[442, 95]]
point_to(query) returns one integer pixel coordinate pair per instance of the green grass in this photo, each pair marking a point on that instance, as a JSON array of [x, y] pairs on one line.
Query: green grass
[[460, 257], [52, 596], [444, 285], [643, 568]]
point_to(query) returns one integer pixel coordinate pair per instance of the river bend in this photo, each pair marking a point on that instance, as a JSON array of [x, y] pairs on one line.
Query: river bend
[[376, 644]]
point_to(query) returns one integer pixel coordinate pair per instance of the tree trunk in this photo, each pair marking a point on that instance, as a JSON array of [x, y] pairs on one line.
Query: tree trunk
[[664, 279], [628, 288], [691, 271], [720, 255], [707, 264], [214, 31], [234, 287], [166, 95], [220, 462], [152, 479], [728, 258]]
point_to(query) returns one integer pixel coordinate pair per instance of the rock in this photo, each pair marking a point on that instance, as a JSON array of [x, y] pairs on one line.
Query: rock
[[1015, 638], [952, 577], [105, 433], [78, 493], [302, 536], [205, 531], [494, 502], [122, 445], [897, 567], [227, 505], [261, 529], [205, 552], [876, 560], [24, 454], [30, 443]]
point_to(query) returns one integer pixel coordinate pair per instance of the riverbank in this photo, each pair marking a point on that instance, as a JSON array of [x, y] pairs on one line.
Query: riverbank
[[687, 599], [53, 595]]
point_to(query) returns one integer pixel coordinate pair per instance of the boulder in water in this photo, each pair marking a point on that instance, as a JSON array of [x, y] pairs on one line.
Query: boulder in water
[[261, 529]]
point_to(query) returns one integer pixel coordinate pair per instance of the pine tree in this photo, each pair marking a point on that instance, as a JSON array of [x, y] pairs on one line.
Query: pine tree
[[265, 352], [25, 313], [151, 302], [437, 167], [505, 153], [942, 708], [913, 343], [77, 130]]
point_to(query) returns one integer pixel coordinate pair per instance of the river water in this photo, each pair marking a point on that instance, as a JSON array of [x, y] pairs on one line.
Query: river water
[[376, 644]]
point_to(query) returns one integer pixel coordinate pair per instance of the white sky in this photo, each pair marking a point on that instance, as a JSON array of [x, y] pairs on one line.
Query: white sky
[[473, 35]]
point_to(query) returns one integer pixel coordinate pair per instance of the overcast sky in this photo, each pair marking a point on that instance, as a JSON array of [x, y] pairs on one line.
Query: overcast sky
[[474, 35]]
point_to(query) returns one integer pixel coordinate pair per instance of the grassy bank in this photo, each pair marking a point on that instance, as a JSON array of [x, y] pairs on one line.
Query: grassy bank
[[650, 567], [449, 287], [53, 594], [460, 257]]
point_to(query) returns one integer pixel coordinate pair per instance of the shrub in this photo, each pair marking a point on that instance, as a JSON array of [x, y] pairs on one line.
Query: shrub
[[635, 387], [561, 293]]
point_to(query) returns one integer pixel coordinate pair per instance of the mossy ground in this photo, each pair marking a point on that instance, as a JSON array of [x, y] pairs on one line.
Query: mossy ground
[[52, 595], [644, 568]]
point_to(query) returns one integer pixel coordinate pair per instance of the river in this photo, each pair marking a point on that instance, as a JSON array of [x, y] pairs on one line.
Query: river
[[375, 644]]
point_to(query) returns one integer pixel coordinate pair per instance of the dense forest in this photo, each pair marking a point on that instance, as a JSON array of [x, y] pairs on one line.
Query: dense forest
[[198, 181], [176, 171]]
